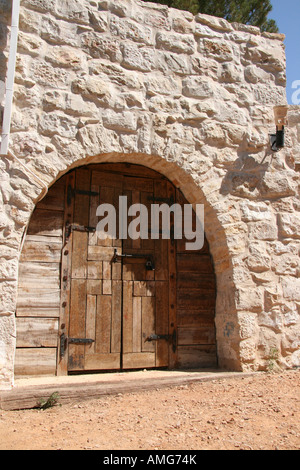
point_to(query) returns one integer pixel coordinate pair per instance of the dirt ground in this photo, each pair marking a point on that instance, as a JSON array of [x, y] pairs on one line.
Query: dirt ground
[[261, 412]]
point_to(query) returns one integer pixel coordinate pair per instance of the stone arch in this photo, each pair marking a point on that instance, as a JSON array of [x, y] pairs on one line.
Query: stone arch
[[227, 326]]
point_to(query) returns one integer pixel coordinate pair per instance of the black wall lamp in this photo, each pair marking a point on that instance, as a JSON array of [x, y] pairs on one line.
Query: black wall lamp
[[277, 140]]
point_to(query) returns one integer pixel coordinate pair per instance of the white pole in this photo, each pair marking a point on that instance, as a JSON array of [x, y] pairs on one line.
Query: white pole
[[9, 90]]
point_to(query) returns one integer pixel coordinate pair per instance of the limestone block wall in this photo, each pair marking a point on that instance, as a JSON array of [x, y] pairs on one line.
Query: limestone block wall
[[191, 97]]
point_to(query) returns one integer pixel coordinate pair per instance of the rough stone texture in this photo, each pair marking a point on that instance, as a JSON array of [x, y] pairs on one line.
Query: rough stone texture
[[191, 97]]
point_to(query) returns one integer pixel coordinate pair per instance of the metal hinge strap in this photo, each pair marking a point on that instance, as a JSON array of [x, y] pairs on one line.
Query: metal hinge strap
[[64, 341], [80, 341], [71, 192], [78, 228], [170, 338]]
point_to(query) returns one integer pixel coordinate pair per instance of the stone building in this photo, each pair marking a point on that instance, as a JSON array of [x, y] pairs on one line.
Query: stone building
[[117, 97]]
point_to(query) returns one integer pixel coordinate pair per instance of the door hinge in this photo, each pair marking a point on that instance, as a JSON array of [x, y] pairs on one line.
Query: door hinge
[[64, 341], [78, 228], [71, 192], [80, 341], [170, 338]]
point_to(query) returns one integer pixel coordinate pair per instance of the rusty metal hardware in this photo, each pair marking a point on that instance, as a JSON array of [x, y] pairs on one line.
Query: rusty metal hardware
[[149, 263], [78, 228], [80, 341], [170, 338], [63, 345], [64, 341], [71, 192], [155, 337]]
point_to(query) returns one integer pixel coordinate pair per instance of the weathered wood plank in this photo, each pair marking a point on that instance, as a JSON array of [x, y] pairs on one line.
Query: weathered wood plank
[[100, 253], [106, 287], [148, 323], [136, 324], [79, 255], [197, 299], [45, 298], [116, 324], [190, 336], [127, 316], [196, 280], [162, 322], [94, 287], [126, 169], [81, 204], [35, 361], [196, 318], [102, 361], [110, 180], [27, 311], [27, 397], [144, 289], [161, 245], [103, 325], [77, 323], [94, 269], [46, 222], [138, 184], [90, 328], [55, 198], [37, 332], [194, 263], [197, 357], [35, 251], [30, 273], [138, 360]]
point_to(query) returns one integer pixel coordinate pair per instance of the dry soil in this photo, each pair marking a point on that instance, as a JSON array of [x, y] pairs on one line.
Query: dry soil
[[260, 412]]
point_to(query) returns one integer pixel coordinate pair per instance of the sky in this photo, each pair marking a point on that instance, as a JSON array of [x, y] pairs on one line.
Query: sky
[[286, 13]]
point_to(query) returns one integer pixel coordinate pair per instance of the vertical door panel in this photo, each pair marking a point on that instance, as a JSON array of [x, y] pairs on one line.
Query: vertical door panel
[[118, 305], [101, 288]]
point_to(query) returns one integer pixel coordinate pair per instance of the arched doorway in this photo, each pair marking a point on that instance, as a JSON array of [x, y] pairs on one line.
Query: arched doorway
[[87, 304]]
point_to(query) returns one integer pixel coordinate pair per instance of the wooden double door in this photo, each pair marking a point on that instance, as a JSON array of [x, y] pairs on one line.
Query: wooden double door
[[118, 294], [88, 304]]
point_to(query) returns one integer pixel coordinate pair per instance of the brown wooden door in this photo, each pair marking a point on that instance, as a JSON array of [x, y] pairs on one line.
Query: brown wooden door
[[145, 290], [70, 288], [113, 297]]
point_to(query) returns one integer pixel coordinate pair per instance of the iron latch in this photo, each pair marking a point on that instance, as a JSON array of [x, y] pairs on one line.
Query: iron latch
[[64, 341], [149, 259], [80, 341], [170, 338], [155, 337]]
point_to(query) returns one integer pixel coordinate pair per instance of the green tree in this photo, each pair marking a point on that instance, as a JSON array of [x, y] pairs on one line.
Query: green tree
[[252, 12]]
